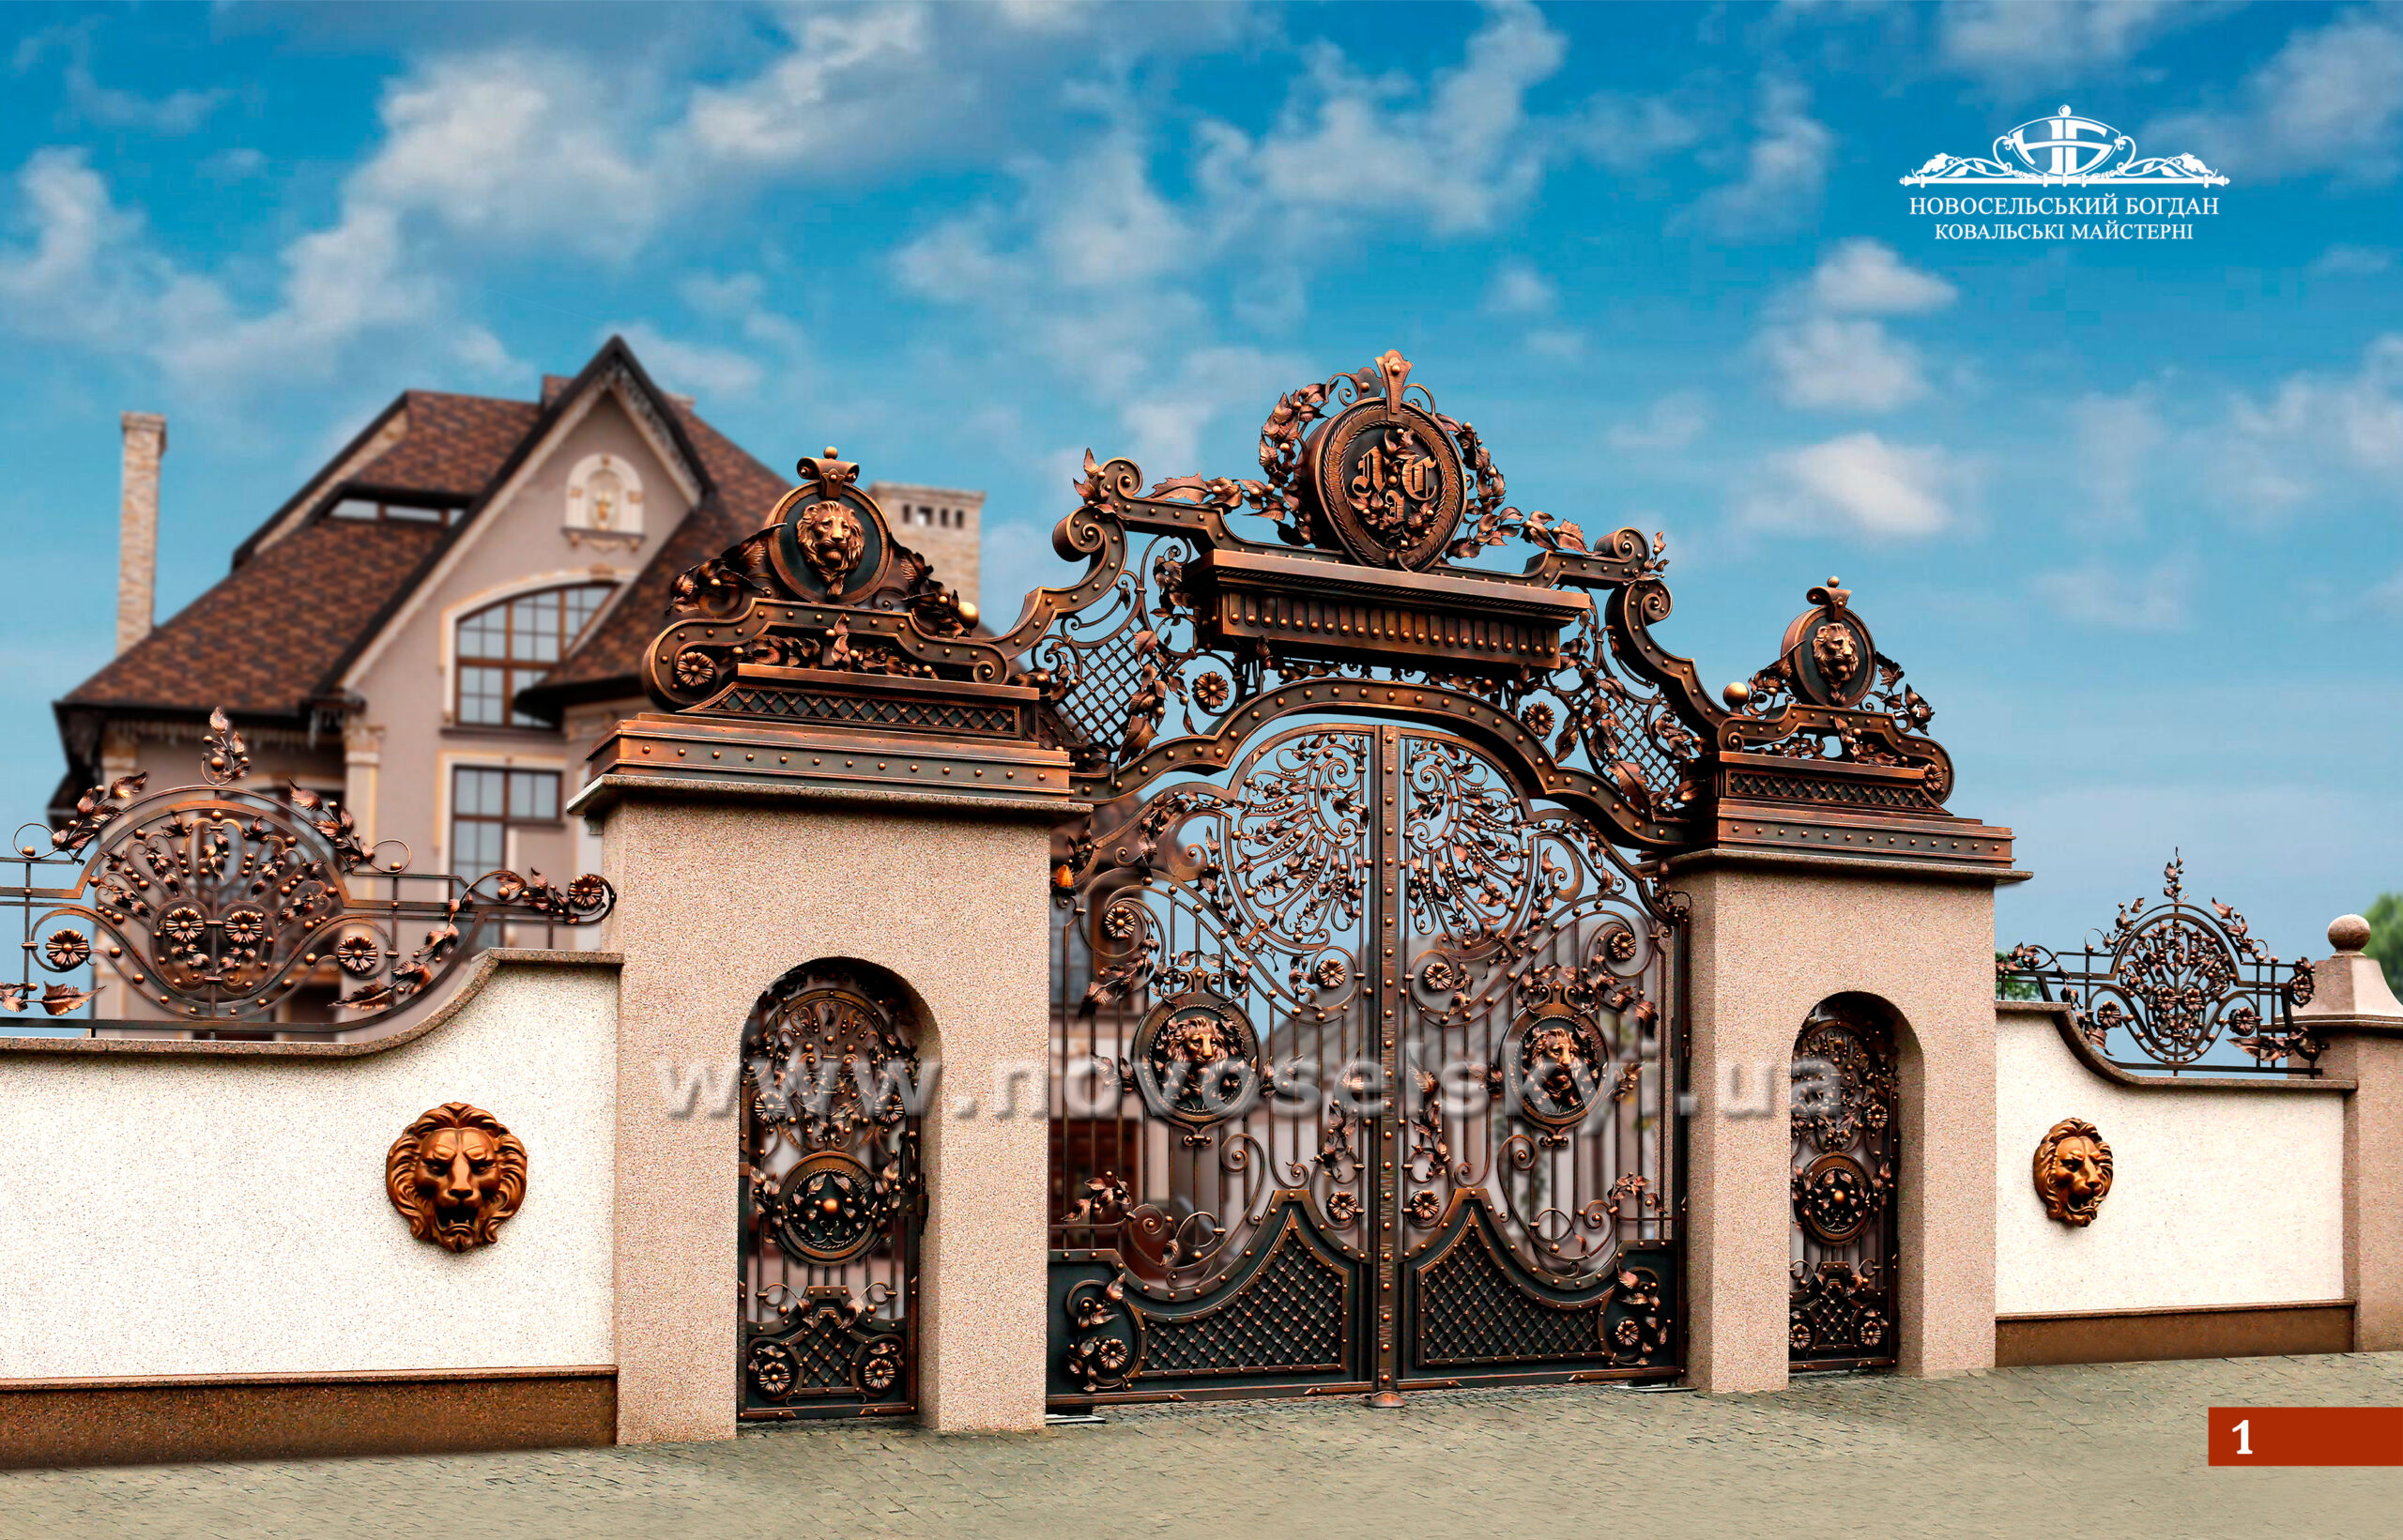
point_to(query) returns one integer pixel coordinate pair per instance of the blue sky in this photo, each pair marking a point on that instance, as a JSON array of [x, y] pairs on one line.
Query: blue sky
[[2130, 514]]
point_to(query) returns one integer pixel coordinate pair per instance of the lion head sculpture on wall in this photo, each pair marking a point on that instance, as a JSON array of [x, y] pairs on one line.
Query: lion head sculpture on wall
[[2072, 1171], [454, 1174]]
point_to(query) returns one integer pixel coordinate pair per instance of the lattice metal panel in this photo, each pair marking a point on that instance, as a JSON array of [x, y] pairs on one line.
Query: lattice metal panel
[[1470, 1312], [1288, 1316]]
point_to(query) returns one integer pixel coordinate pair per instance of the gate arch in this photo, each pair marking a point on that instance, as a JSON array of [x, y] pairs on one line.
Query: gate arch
[[1843, 1309], [833, 1194]]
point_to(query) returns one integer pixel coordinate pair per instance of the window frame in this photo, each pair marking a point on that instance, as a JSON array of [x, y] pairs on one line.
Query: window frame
[[516, 673], [504, 821]]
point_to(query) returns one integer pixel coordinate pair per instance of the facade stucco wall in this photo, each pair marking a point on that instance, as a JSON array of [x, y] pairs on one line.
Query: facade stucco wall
[[520, 542], [172, 1215], [719, 899], [1769, 943], [2219, 1197]]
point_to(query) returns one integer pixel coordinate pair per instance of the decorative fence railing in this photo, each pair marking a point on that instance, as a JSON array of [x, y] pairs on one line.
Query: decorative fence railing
[[2175, 988], [219, 908]]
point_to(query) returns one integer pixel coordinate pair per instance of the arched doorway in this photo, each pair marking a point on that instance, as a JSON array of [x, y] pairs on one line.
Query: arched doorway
[[833, 1194], [1847, 1162]]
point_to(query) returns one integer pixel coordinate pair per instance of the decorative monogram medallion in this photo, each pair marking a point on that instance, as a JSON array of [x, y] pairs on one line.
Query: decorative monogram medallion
[[832, 1209], [1388, 477], [1197, 1061]]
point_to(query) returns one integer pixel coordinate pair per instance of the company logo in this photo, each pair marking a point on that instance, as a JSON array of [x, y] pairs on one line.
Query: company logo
[[2065, 150]]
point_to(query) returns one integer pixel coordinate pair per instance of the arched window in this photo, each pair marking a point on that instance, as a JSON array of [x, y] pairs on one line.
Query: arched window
[[503, 647]]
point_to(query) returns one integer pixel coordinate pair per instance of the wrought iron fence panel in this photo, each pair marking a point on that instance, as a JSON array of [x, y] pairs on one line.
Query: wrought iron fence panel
[[2173, 987], [226, 907]]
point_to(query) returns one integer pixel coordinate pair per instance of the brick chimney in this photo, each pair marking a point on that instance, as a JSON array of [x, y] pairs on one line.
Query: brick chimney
[[137, 539]]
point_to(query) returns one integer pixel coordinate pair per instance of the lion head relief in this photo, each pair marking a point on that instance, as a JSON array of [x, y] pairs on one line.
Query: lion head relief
[[454, 1174], [2072, 1171], [1837, 651], [831, 541]]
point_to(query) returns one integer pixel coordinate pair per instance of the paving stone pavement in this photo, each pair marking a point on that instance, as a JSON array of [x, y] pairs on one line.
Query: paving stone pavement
[[2093, 1453]]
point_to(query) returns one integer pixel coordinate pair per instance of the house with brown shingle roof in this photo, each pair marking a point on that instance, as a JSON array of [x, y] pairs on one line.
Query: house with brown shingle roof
[[439, 624]]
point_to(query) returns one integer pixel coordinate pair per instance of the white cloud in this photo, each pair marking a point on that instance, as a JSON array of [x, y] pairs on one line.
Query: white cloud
[[2330, 101], [1631, 134], [1865, 277], [1786, 170], [177, 113], [1519, 289], [1824, 363], [1859, 484], [2312, 439], [484, 353], [1166, 419], [691, 369], [1562, 345], [511, 144], [2343, 261], [845, 81], [1672, 422], [1347, 145], [2118, 437], [2015, 42], [2159, 599]]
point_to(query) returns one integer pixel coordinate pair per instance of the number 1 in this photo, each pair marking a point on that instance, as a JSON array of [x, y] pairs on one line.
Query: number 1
[[2244, 1436]]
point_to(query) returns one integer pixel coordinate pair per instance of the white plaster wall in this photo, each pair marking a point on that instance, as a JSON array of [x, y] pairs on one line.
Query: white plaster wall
[[2218, 1197], [176, 1215]]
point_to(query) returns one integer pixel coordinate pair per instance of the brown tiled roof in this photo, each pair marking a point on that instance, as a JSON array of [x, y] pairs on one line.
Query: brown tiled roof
[[454, 443], [317, 594], [746, 490], [266, 638]]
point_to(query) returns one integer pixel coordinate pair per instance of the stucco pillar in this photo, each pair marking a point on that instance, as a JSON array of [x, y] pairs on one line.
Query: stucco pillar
[[1771, 937], [721, 891], [2354, 1010]]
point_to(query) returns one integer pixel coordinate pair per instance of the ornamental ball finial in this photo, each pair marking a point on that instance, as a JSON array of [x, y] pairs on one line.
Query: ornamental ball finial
[[831, 452], [2349, 932], [1736, 695]]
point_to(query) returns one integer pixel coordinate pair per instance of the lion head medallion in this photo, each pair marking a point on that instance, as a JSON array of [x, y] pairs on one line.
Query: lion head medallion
[[2072, 1171], [454, 1174]]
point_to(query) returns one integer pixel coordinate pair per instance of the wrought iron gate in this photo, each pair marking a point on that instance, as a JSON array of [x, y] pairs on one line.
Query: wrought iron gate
[[1362, 1070], [831, 1197], [1367, 1046], [1848, 1157]]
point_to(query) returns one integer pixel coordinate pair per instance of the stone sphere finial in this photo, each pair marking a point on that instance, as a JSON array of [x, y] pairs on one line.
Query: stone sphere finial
[[2349, 932]]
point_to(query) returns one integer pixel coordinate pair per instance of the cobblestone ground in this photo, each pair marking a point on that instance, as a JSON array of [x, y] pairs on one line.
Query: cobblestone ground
[[2095, 1452]]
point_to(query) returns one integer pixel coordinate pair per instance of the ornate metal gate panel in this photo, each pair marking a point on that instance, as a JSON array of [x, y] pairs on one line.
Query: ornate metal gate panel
[[1848, 1157], [831, 1197], [1361, 1073]]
